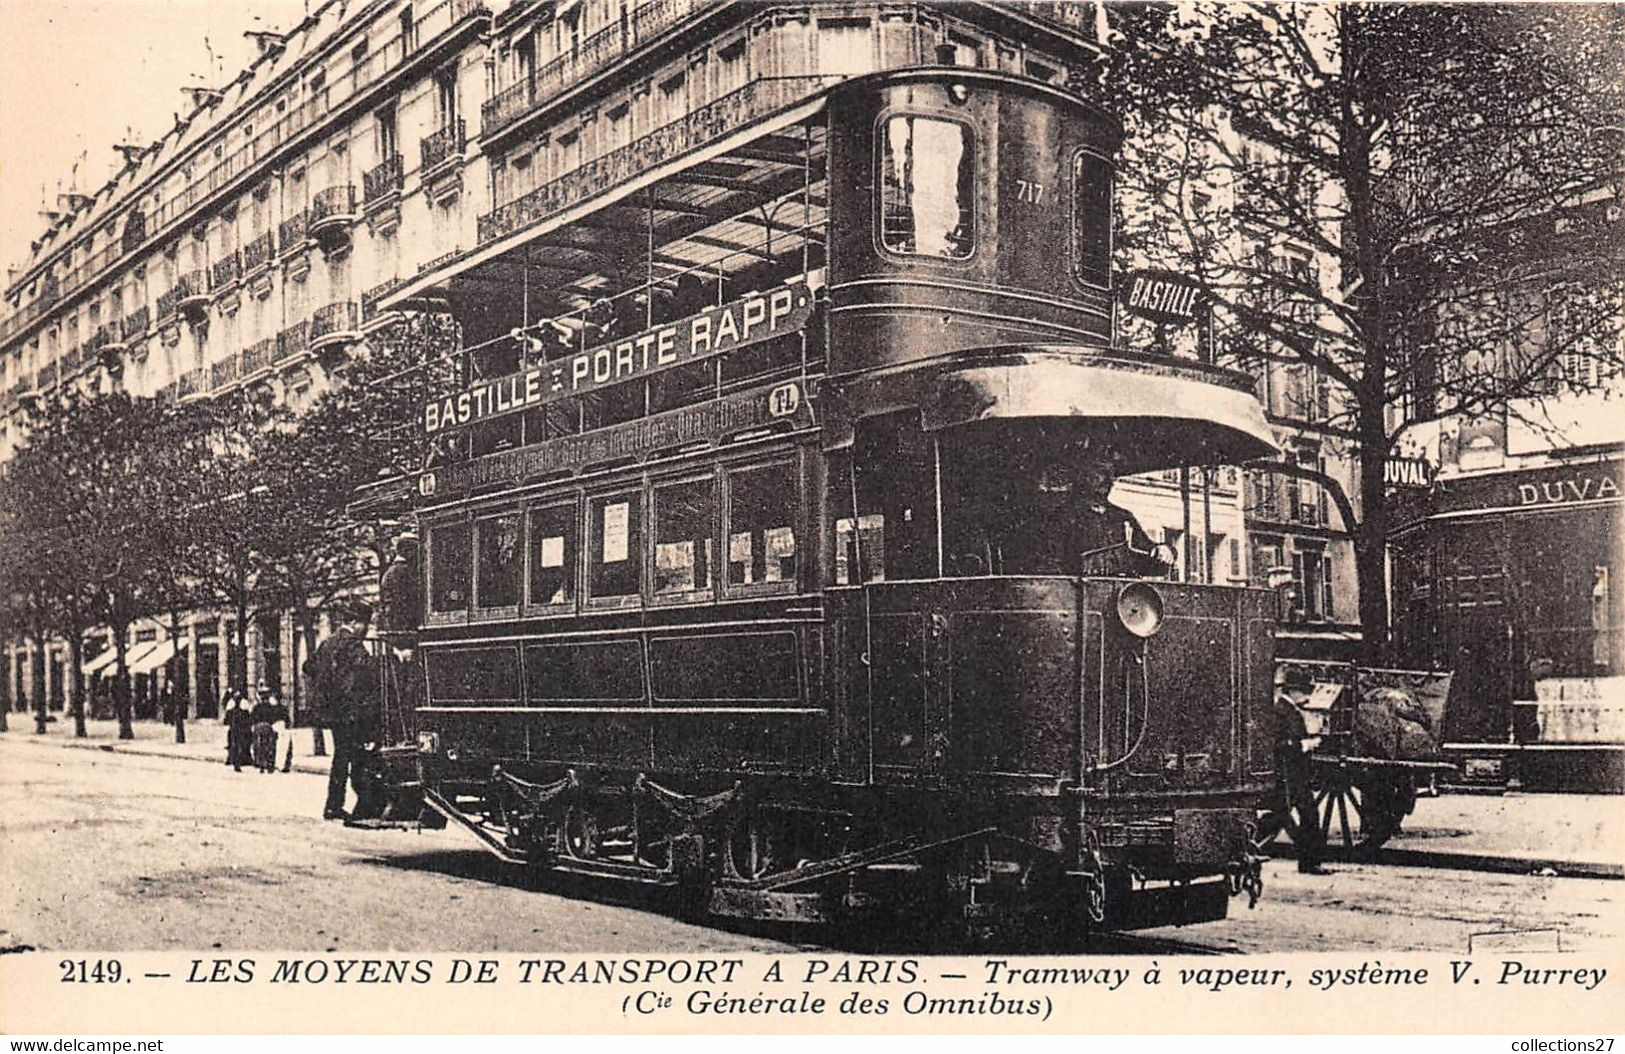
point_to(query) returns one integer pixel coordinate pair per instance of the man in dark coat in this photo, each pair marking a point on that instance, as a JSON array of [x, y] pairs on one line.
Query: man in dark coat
[[1076, 530], [1293, 768], [343, 690]]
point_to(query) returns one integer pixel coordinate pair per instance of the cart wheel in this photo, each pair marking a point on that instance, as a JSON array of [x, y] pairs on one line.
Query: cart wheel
[[1358, 809]]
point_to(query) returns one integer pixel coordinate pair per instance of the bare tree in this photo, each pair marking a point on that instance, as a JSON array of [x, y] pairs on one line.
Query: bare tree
[[1459, 168]]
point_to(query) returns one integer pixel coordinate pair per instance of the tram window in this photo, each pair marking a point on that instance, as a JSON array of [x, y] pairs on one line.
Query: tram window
[[867, 550], [761, 534], [552, 554], [616, 541], [449, 560], [684, 538], [928, 171], [1092, 219], [499, 560]]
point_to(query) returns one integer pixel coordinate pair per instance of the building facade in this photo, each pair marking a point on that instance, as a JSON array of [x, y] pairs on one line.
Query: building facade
[[373, 144]]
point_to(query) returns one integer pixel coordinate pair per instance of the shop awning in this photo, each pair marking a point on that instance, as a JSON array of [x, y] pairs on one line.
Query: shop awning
[[160, 653], [100, 662]]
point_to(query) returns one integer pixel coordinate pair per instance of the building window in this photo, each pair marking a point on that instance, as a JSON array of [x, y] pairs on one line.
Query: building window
[[846, 47], [1092, 220], [684, 538], [449, 563], [1326, 608], [615, 539], [445, 96], [499, 559], [552, 555], [928, 171], [409, 30], [762, 505], [388, 134]]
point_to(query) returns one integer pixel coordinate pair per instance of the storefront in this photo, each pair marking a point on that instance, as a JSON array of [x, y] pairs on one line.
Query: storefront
[[1516, 581]]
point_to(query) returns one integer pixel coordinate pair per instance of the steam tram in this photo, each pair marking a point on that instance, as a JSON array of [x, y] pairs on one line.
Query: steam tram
[[741, 588]]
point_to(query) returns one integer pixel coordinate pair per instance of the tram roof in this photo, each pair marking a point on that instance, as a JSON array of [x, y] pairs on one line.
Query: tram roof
[[1156, 411], [724, 203]]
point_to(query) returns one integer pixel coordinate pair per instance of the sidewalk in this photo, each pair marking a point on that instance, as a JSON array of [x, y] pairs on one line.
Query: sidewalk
[[1581, 834], [205, 740]]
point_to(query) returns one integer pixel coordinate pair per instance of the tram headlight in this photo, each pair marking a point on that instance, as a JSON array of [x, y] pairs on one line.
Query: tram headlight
[[428, 742], [1139, 609]]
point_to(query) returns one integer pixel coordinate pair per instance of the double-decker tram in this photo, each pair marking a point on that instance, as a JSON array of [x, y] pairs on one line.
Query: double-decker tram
[[771, 557]]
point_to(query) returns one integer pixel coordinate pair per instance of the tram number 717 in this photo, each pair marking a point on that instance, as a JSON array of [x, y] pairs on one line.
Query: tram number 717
[[1029, 192]]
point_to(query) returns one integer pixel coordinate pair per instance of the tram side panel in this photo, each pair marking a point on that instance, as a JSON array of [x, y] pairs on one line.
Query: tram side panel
[[955, 219], [672, 704]]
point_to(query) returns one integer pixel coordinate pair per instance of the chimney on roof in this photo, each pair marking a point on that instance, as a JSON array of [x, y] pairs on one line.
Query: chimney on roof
[[267, 40], [202, 97]]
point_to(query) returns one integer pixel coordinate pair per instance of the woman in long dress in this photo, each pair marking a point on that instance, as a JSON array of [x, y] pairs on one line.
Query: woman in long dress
[[239, 732]]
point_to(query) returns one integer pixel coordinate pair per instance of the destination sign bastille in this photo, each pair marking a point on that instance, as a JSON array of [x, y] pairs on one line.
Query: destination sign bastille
[[1163, 296], [737, 324]]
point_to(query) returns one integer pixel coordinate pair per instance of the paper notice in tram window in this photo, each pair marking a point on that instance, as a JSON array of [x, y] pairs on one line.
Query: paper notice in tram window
[[739, 550], [781, 554], [616, 519], [553, 551]]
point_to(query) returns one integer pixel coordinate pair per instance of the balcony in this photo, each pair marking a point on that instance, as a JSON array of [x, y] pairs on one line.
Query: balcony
[[258, 253], [442, 155], [292, 342], [190, 385], [641, 25], [225, 373], [332, 211], [382, 182], [381, 193], [257, 358], [335, 326], [134, 325], [293, 233], [225, 272], [293, 236], [192, 295]]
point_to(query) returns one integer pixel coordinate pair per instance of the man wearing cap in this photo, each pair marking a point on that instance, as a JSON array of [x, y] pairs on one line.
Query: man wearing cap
[[1293, 768], [400, 596], [343, 686]]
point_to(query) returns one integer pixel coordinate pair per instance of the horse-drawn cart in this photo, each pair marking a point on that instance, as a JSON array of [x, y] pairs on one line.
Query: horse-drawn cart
[[1375, 742]]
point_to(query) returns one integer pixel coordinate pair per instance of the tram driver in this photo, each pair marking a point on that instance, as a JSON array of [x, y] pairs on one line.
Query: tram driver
[[1075, 529]]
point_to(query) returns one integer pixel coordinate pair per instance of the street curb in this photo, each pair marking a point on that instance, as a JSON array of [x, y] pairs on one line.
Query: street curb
[[1486, 862], [146, 752]]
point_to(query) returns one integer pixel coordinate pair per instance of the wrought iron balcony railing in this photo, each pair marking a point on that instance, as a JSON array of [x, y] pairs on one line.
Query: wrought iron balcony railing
[[225, 271], [333, 203], [444, 144], [642, 24], [167, 302], [258, 356], [135, 323], [224, 372], [292, 341], [383, 180], [342, 319], [257, 253], [293, 232]]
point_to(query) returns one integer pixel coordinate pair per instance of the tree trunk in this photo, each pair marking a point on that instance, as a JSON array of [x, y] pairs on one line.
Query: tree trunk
[[1371, 538], [122, 706], [307, 626], [239, 674], [76, 655], [42, 693]]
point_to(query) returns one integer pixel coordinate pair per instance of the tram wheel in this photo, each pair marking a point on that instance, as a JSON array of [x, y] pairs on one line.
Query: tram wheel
[[1359, 810], [579, 836]]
